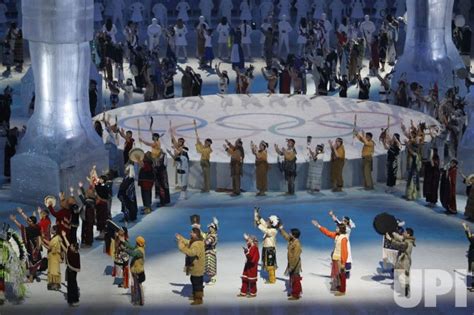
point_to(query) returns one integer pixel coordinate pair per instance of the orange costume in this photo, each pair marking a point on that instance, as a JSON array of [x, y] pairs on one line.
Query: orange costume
[[339, 259]]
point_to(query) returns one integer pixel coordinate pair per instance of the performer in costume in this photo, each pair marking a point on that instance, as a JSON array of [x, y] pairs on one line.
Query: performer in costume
[[146, 179], [338, 155], [470, 255], [195, 262], [339, 257], [289, 163], [272, 79], [103, 203], [431, 178], [261, 166], [63, 216], [55, 253], [162, 190], [137, 268], [250, 273], [469, 209], [31, 236], [367, 157], [210, 243], [293, 268], [349, 226], [73, 266], [236, 153], [205, 150], [88, 199], [128, 196], [270, 231], [452, 171], [121, 270], [393, 146], [180, 156], [224, 81], [404, 244], [129, 143], [315, 168]]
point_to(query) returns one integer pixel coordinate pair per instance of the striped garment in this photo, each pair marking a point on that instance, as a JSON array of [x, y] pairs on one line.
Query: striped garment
[[315, 171], [210, 243]]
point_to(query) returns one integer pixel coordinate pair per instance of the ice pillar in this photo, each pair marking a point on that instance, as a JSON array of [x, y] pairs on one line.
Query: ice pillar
[[60, 144], [430, 55]]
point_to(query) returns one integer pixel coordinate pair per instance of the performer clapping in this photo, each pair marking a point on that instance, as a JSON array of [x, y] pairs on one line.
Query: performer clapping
[[261, 166]]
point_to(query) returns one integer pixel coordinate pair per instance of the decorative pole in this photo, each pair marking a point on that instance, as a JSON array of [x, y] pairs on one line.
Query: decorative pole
[[60, 145]]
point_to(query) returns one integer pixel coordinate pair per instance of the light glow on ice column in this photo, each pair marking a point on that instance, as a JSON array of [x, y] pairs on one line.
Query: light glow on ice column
[[60, 145], [430, 55]]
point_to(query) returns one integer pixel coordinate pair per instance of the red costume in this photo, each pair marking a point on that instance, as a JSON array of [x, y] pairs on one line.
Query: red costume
[[250, 274], [452, 174], [45, 228], [285, 82], [63, 219]]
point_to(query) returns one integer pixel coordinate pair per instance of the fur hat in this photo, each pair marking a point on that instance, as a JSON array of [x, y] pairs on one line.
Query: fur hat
[[140, 240], [274, 221], [214, 224]]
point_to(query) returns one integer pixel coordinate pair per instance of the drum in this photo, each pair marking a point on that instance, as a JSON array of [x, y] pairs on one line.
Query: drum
[[49, 199], [136, 155]]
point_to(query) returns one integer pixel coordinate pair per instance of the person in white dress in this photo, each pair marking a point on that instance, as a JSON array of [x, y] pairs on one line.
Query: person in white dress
[[319, 8], [223, 32], [154, 34], [128, 92], [161, 13], [245, 14], [284, 29], [181, 43], [302, 9], [266, 9], [337, 11], [226, 9], [223, 83], [284, 6], [367, 28], [206, 9], [98, 9], [3, 14], [137, 12], [118, 6], [246, 30], [183, 7], [357, 11]]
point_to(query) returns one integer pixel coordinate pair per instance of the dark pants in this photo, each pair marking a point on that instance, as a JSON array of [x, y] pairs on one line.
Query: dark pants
[[146, 197], [87, 232], [291, 184], [197, 283], [73, 235], [72, 289], [236, 184]]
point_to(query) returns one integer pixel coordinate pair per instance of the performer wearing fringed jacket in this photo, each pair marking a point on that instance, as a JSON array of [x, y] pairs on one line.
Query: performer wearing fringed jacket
[[289, 164], [250, 273], [162, 190], [270, 231], [339, 257], [294, 261], [237, 155], [210, 243], [261, 167]]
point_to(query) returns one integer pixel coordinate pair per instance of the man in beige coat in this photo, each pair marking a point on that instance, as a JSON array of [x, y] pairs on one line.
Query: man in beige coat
[[294, 262], [195, 262]]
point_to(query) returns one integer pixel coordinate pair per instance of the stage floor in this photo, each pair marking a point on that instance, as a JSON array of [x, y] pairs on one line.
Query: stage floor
[[441, 244], [261, 117]]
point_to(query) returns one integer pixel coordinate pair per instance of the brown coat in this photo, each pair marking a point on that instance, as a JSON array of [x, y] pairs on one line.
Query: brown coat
[[195, 252], [294, 254]]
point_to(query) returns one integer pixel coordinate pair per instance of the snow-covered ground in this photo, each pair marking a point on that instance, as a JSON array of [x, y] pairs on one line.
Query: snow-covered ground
[[441, 244]]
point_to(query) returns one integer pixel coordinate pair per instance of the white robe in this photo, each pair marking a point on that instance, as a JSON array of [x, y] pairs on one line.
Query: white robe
[[180, 36], [223, 32]]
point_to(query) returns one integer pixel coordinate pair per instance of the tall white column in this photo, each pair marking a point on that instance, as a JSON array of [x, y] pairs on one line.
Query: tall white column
[[430, 55], [60, 144]]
